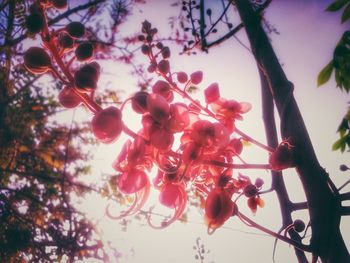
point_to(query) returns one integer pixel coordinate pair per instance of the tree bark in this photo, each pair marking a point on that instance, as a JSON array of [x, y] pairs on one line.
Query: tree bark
[[278, 184], [322, 197], [5, 72]]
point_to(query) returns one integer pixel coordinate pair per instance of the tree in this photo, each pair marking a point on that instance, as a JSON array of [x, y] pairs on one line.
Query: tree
[[322, 196], [208, 148], [340, 65], [41, 159]]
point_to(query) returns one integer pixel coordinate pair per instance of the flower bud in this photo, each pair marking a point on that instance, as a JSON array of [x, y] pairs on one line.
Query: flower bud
[[158, 107], [36, 60], [212, 93], [86, 77], [145, 49], [343, 168], [107, 124], [139, 102], [163, 88], [152, 67], [259, 182], [163, 66], [76, 29], [182, 77], [149, 38], [84, 51], [196, 77], [35, 8], [68, 98], [299, 225], [159, 45], [65, 40], [146, 27], [282, 157], [154, 31], [35, 22], [165, 52], [59, 4], [250, 190]]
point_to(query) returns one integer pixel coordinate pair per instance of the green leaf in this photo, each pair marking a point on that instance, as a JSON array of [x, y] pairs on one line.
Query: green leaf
[[346, 13], [339, 144], [338, 79], [325, 74], [343, 125], [348, 140], [346, 37], [335, 6], [347, 115], [342, 132], [346, 84]]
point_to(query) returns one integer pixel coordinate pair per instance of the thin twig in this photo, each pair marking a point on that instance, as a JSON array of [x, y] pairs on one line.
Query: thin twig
[[280, 237]]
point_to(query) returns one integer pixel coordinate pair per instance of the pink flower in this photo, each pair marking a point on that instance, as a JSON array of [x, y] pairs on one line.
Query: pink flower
[[107, 124], [218, 208]]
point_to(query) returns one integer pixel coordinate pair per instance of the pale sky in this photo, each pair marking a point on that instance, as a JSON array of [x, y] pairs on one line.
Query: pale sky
[[305, 44]]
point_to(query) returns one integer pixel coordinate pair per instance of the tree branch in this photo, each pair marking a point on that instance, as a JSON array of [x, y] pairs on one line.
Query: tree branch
[[345, 184], [237, 28], [3, 5], [345, 196], [278, 184], [8, 40], [299, 206], [202, 24], [61, 17], [237, 166], [326, 240], [74, 10], [297, 245], [345, 210], [23, 88]]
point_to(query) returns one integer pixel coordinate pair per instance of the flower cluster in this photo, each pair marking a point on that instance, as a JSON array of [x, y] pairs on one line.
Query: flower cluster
[[204, 160], [205, 157]]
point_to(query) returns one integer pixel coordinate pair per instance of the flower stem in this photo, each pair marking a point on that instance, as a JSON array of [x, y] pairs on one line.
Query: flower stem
[[250, 222], [129, 132], [250, 139], [237, 166], [185, 95], [46, 36], [58, 75]]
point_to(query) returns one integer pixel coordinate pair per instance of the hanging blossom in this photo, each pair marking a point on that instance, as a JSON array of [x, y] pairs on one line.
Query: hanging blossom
[[208, 155]]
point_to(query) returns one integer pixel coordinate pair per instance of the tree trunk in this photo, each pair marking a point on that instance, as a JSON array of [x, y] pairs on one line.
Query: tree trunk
[[322, 197], [5, 72], [278, 184]]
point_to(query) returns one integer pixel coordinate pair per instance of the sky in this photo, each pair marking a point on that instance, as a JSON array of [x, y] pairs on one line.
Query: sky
[[306, 39]]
